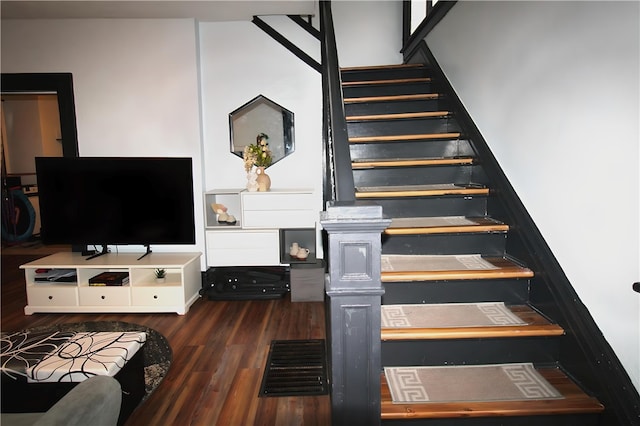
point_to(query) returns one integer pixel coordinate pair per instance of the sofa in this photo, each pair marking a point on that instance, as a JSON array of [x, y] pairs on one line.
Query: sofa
[[39, 368], [95, 401]]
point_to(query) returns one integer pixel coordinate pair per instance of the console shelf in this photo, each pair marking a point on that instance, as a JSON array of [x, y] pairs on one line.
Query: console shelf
[[267, 224], [140, 294]]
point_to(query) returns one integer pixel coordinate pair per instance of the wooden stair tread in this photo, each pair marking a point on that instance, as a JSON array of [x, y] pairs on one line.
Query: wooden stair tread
[[419, 191], [420, 270], [392, 98], [405, 138], [386, 81], [443, 225], [536, 325], [409, 162], [381, 67], [575, 401], [398, 116]]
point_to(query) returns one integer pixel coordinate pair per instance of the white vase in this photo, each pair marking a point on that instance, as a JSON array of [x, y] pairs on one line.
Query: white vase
[[252, 180]]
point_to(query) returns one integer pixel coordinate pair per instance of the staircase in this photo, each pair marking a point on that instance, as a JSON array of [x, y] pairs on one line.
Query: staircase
[[410, 155]]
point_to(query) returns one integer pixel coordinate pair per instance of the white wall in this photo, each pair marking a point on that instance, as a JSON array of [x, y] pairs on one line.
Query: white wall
[[554, 89], [135, 86], [247, 64], [138, 91], [368, 32]]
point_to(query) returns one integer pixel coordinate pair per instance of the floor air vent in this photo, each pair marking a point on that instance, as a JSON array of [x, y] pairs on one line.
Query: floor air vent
[[295, 368]]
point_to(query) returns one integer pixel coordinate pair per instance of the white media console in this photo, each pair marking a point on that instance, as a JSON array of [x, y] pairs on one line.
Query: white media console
[[141, 294]]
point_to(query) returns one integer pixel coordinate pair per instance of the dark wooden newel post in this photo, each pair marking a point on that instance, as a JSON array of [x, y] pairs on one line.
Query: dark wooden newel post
[[354, 293]]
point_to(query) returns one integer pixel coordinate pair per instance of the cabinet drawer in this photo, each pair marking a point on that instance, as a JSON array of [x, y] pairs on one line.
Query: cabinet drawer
[[156, 296], [232, 240], [105, 296], [280, 219], [243, 257], [240, 248], [48, 295], [274, 201]]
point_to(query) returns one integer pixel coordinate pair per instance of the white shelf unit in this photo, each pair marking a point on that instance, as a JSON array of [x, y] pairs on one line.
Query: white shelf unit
[[141, 294], [230, 198], [255, 240]]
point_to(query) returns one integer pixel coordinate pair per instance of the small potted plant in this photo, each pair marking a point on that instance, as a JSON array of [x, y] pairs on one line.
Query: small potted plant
[[161, 274]]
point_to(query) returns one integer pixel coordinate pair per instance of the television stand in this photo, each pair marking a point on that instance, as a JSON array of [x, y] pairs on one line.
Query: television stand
[[141, 294]]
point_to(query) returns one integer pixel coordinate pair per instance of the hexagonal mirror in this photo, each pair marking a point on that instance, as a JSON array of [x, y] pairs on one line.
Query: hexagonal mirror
[[262, 115]]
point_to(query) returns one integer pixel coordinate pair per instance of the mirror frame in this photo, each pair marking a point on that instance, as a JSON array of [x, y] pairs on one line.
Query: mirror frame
[[62, 85], [284, 138]]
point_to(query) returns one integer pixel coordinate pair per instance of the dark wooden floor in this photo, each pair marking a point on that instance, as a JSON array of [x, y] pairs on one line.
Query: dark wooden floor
[[219, 352]]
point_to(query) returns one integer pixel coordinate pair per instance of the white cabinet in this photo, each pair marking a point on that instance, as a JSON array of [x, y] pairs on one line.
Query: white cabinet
[[140, 294], [256, 238], [243, 247], [291, 209]]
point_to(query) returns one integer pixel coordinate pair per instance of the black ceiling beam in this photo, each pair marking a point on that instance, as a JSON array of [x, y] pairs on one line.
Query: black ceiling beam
[[306, 26], [287, 44]]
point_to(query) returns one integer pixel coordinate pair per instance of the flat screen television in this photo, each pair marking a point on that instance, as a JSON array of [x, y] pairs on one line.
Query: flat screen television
[[105, 201]]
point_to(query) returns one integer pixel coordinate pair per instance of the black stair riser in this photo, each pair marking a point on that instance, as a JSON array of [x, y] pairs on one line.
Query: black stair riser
[[393, 107], [402, 127], [387, 89], [412, 149], [415, 175], [384, 74], [488, 244], [550, 420], [541, 350], [510, 291], [432, 206]]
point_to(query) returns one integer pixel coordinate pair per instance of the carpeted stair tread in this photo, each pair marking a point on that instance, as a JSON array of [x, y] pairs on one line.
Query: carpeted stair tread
[[365, 163], [398, 116], [534, 324], [420, 190], [392, 98], [574, 401], [443, 225], [402, 268], [513, 381], [386, 81], [405, 138]]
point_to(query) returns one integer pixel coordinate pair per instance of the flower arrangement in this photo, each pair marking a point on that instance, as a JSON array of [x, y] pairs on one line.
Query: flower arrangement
[[257, 154]]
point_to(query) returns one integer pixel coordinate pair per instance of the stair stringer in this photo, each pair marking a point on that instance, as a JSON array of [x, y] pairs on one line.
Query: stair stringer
[[584, 352]]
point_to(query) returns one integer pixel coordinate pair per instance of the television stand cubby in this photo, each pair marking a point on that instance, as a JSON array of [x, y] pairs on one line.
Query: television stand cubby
[[140, 294]]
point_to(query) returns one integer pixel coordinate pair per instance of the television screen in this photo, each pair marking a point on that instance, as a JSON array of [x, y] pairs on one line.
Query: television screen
[[116, 200]]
